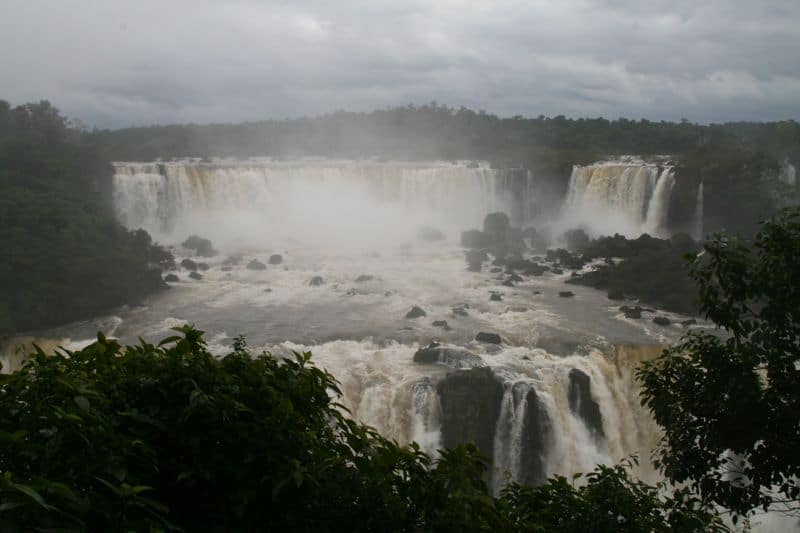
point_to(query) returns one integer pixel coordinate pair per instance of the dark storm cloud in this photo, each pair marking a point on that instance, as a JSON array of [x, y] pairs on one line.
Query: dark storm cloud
[[119, 63]]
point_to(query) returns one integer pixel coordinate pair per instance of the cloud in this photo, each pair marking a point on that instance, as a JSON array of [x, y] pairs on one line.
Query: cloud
[[121, 63]]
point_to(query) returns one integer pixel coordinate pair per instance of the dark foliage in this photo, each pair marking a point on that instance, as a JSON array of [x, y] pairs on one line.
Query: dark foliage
[[65, 256], [729, 404], [169, 437], [653, 270]]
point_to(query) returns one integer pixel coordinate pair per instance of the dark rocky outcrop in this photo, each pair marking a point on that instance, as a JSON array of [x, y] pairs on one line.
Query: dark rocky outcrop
[[496, 225], [631, 312], [460, 310], [662, 320], [470, 401], [364, 277], [200, 246], [275, 259], [316, 281], [416, 312], [255, 264], [429, 234], [441, 324], [453, 357], [188, 264], [566, 294], [576, 239], [475, 259], [495, 297], [489, 338], [474, 238], [195, 275], [203, 266], [171, 278], [537, 434], [615, 294], [582, 404]]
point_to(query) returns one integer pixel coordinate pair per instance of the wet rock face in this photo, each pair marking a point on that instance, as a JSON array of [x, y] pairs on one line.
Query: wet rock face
[[489, 338], [470, 401], [536, 437], [416, 312], [582, 404], [449, 356]]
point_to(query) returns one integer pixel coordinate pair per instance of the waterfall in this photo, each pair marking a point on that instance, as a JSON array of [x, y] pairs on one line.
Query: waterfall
[[658, 209], [626, 196], [697, 231], [321, 201]]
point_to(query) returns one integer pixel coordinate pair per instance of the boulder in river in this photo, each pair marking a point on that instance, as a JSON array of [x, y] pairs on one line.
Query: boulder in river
[[489, 338], [416, 312], [460, 311], [631, 312], [200, 246], [495, 297], [566, 294], [616, 294], [662, 320], [316, 281], [364, 277], [203, 266], [255, 264], [195, 275], [275, 259], [171, 278], [188, 264], [429, 234], [441, 324], [474, 238], [450, 356]]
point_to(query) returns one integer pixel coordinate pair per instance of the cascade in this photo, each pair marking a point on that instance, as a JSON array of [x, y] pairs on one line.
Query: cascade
[[697, 232], [319, 200], [627, 196]]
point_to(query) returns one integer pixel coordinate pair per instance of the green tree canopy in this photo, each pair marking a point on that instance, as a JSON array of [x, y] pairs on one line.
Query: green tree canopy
[[145, 437], [729, 403]]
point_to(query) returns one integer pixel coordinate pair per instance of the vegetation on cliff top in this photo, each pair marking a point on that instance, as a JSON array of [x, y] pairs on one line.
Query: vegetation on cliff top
[[65, 255]]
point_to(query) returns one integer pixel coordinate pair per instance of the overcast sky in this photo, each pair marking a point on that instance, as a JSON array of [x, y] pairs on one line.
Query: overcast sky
[[113, 63]]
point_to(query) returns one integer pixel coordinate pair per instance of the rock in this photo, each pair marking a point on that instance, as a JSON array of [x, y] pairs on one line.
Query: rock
[[267, 290], [495, 297], [201, 246], [460, 311], [171, 278], [316, 281], [203, 266], [516, 309], [441, 324], [495, 270], [474, 238], [470, 402], [615, 294], [662, 320], [195, 275], [429, 234], [508, 283], [364, 277], [275, 259], [452, 357], [416, 312], [232, 260], [690, 322], [557, 271], [576, 239], [489, 338], [188, 264], [566, 294], [537, 435], [516, 278], [496, 225], [255, 264], [582, 404], [475, 259], [631, 312]]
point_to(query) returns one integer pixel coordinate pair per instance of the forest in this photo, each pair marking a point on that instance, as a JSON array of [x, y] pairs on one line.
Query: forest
[[65, 255]]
